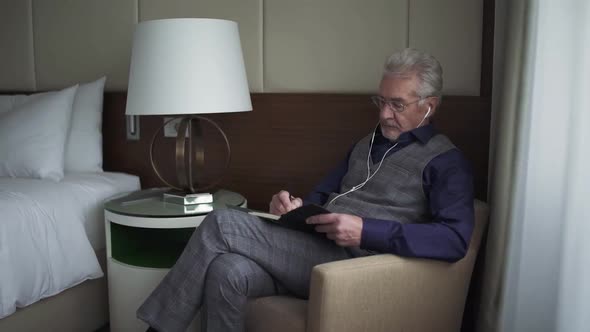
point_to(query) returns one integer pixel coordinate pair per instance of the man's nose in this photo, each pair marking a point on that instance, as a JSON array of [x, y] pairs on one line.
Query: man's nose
[[386, 111]]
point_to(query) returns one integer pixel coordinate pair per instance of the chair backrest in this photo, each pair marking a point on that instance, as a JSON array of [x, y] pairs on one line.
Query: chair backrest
[[481, 220], [464, 267]]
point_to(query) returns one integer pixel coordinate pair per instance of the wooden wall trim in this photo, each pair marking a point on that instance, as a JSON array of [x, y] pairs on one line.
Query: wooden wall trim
[[289, 141]]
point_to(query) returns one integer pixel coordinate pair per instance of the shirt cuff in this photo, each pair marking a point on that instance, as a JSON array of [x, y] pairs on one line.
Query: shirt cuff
[[378, 235]]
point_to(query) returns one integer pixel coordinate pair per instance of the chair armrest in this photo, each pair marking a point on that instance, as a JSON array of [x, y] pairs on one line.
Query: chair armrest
[[386, 293]]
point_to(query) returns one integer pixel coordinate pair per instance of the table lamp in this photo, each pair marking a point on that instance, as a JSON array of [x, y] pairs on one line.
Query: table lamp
[[185, 67]]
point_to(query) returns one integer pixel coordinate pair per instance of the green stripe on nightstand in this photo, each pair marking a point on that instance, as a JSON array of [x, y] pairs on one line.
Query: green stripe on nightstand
[[148, 247]]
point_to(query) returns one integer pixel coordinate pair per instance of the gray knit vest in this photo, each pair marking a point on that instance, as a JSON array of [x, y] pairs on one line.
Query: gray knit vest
[[395, 192]]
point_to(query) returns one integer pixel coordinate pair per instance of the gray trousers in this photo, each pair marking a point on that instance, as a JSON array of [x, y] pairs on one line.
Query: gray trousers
[[232, 256]]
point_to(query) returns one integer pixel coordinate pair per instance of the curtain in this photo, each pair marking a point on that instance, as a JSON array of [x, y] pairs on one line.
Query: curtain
[[510, 87], [536, 254]]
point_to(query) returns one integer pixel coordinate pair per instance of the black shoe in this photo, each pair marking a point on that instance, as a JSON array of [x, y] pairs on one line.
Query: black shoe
[[151, 329]]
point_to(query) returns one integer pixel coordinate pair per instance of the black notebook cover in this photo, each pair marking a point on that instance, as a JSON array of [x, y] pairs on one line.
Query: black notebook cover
[[294, 219]]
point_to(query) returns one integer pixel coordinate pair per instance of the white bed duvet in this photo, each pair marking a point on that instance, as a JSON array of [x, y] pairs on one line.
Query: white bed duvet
[[44, 246]]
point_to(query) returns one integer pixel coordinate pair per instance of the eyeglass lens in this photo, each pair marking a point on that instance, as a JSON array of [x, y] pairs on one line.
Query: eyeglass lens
[[381, 102]]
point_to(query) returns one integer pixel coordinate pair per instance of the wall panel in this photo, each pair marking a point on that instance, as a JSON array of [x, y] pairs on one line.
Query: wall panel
[[289, 46], [17, 67], [77, 41], [247, 13], [451, 30], [330, 45]]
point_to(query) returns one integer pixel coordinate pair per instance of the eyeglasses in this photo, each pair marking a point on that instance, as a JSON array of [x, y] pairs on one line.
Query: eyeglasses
[[395, 105]]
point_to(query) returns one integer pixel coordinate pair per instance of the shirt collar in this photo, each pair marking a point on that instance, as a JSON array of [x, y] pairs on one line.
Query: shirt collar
[[422, 134]]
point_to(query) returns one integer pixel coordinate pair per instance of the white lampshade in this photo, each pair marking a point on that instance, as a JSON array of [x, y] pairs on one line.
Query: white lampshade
[[187, 66]]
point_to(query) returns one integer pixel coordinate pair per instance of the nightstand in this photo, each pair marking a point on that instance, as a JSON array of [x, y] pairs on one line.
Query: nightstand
[[144, 237]]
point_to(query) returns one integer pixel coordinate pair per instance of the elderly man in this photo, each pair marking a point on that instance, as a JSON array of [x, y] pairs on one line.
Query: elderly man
[[403, 189]]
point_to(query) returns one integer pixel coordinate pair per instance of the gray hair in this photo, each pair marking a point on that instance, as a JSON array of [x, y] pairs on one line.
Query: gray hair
[[414, 62]]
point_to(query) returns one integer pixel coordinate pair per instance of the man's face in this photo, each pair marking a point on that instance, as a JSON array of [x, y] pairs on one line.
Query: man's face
[[403, 90]]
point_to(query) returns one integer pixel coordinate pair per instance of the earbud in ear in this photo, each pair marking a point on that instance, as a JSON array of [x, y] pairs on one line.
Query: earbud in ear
[[427, 112]]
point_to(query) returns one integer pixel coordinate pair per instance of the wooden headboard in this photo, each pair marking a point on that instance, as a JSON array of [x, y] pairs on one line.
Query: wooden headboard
[[289, 141]]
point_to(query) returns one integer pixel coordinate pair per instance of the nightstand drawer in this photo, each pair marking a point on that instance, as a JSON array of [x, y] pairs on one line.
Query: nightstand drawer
[[148, 247]]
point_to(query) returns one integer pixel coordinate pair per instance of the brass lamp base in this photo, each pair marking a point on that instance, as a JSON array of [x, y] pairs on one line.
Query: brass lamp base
[[190, 154]]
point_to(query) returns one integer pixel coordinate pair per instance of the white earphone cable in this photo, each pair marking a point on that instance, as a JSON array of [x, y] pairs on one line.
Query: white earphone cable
[[369, 175]]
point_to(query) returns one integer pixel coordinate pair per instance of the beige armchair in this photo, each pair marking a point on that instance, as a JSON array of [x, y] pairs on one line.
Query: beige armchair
[[376, 293]]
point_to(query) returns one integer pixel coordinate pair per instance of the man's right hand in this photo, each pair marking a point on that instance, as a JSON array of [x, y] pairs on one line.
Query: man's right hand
[[282, 202]]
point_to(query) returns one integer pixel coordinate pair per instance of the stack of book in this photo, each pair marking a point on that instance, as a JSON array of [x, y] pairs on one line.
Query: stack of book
[[192, 202]]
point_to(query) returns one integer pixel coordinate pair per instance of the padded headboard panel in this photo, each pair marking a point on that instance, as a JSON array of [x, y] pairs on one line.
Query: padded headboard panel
[[289, 141]]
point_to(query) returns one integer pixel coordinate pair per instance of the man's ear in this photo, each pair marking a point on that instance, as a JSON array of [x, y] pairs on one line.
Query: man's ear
[[432, 103]]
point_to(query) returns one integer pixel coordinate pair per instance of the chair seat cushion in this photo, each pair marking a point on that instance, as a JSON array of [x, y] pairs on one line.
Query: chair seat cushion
[[276, 313]]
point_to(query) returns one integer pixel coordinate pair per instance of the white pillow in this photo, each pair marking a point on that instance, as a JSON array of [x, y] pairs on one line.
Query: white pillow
[[33, 135], [84, 144], [8, 102]]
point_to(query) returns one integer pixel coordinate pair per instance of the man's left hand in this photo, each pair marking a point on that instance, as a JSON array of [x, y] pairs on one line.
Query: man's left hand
[[344, 229]]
